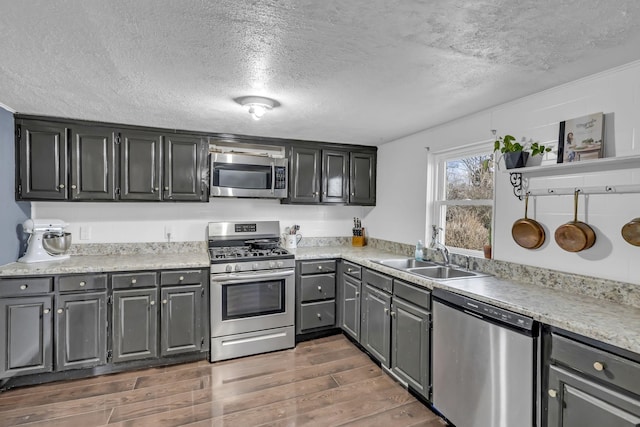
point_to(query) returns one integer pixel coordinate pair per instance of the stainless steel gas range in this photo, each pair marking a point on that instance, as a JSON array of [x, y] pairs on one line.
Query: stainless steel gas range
[[252, 289]]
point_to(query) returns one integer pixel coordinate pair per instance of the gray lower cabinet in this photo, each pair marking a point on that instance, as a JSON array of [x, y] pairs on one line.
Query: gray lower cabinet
[[410, 336], [43, 168], [26, 335], [81, 330], [134, 324], [590, 387], [315, 295], [181, 319], [349, 299], [375, 332]]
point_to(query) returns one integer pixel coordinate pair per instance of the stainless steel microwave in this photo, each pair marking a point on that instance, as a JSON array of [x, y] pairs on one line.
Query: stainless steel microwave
[[242, 175]]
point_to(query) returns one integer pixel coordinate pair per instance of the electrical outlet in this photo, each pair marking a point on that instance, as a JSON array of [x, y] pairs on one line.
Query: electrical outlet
[[85, 232]]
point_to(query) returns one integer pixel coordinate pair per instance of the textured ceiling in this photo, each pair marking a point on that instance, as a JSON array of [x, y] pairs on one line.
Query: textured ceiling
[[360, 71]]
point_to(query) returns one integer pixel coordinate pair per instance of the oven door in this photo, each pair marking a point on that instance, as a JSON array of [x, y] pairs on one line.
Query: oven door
[[252, 301], [237, 175]]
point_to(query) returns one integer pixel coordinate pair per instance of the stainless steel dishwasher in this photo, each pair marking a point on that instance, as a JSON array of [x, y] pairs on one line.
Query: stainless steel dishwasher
[[484, 363]]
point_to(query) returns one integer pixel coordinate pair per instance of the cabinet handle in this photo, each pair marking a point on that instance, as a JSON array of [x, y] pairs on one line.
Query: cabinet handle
[[46, 311], [357, 294], [166, 188], [598, 366], [60, 311], [324, 193], [319, 288], [319, 316], [319, 267], [61, 186], [156, 189], [23, 287], [164, 301], [315, 193], [386, 311], [353, 194], [393, 314], [73, 186], [349, 270], [552, 392], [82, 284], [133, 281], [152, 303], [181, 278]]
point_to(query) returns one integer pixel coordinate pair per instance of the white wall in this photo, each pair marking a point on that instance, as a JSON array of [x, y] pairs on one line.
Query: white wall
[[615, 92], [146, 222]]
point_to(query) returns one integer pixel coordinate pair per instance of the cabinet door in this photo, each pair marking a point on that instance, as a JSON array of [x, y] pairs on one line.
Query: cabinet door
[[362, 178], [135, 325], [335, 176], [185, 168], [140, 166], [25, 336], [81, 330], [305, 175], [181, 320], [410, 345], [375, 333], [42, 148], [575, 401], [350, 310], [93, 162]]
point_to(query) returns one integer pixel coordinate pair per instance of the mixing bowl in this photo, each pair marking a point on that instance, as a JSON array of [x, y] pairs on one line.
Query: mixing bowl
[[56, 243]]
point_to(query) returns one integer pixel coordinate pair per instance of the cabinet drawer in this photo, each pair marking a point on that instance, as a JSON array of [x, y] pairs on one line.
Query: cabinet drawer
[[378, 280], [596, 363], [318, 287], [82, 282], [353, 270], [25, 286], [185, 277], [133, 280], [314, 267], [317, 315], [413, 294]]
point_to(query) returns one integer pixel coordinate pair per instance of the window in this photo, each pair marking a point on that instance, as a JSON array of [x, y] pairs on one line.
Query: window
[[461, 196]]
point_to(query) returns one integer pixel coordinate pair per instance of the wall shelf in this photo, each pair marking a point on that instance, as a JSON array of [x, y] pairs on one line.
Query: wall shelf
[[518, 177]]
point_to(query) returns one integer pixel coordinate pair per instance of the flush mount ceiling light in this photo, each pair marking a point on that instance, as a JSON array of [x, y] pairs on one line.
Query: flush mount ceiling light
[[257, 105]]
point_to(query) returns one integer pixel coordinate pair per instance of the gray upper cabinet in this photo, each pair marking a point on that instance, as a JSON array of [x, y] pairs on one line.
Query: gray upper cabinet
[[42, 149], [185, 168], [305, 164], [81, 330], [135, 324], [93, 161], [335, 176], [140, 166], [25, 336], [362, 178]]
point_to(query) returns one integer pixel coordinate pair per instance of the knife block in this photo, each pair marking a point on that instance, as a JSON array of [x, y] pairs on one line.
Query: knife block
[[358, 240]]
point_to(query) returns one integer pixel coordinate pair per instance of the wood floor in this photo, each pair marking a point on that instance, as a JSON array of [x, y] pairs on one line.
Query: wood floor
[[324, 382]]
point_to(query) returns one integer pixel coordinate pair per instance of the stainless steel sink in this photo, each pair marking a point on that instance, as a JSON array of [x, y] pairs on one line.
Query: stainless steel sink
[[428, 269], [444, 273], [404, 263]]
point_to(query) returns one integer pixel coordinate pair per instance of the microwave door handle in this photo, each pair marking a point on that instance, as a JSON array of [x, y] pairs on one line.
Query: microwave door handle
[[273, 177]]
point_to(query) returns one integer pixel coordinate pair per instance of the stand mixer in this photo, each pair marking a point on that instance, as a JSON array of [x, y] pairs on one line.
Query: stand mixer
[[48, 241]]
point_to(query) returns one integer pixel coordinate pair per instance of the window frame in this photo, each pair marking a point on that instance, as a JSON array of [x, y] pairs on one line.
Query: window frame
[[436, 191]]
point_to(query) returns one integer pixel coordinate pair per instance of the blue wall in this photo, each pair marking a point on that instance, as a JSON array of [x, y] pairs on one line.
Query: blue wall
[[12, 213]]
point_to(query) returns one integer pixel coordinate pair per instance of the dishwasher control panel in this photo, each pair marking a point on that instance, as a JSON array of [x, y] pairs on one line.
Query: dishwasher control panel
[[481, 309]]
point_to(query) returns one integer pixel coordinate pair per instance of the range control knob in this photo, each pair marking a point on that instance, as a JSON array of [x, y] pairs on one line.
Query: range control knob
[[228, 268], [238, 268], [272, 264], [280, 264], [255, 266]]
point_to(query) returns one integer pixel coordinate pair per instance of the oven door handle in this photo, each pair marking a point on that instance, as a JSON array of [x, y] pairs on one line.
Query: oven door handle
[[232, 278]]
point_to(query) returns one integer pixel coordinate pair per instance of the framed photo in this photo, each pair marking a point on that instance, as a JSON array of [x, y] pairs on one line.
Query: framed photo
[[581, 139]]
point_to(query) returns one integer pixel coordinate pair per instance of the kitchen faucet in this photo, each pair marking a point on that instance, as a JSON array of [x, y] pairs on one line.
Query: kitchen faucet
[[435, 244]]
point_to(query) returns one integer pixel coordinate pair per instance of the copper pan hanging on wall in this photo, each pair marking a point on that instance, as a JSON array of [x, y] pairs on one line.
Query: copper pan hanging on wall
[[631, 232], [575, 236], [527, 232]]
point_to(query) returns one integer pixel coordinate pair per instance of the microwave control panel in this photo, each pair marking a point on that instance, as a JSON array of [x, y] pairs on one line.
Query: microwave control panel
[[281, 178]]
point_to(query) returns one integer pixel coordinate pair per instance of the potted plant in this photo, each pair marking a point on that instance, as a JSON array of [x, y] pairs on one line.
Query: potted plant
[[514, 153], [537, 152]]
